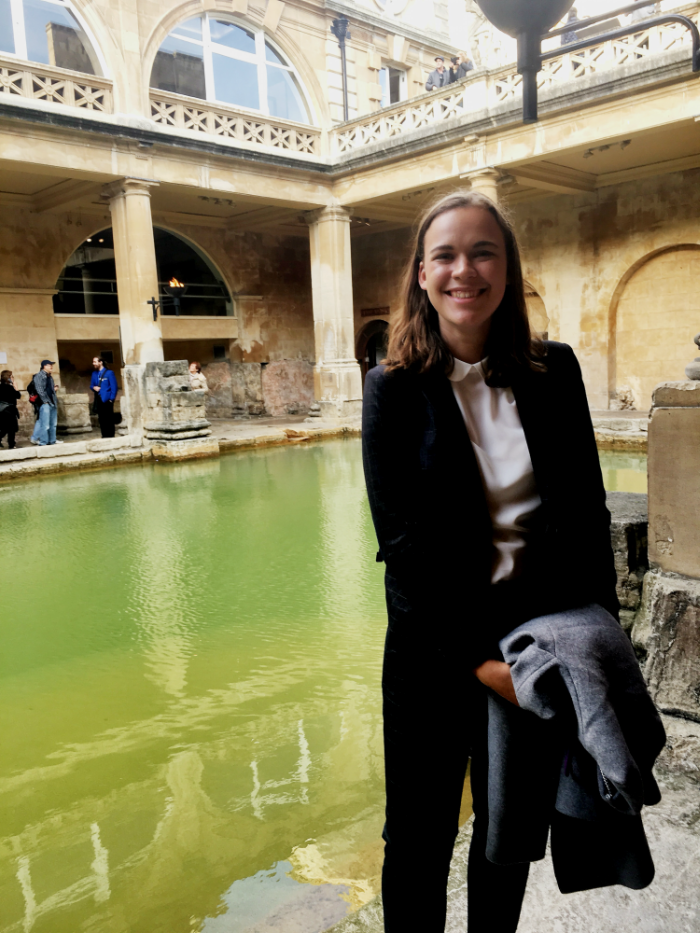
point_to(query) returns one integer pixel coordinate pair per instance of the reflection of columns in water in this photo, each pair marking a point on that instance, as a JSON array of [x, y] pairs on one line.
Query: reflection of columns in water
[[95, 884], [259, 799], [342, 491], [160, 594]]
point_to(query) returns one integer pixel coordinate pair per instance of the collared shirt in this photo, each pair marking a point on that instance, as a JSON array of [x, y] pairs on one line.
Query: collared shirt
[[497, 436]]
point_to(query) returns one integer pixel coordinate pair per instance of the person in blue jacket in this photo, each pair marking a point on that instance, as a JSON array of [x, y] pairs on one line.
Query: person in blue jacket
[[104, 385]]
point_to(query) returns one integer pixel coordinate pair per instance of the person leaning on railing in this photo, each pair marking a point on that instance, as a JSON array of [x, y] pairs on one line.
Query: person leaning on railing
[[440, 77], [460, 67]]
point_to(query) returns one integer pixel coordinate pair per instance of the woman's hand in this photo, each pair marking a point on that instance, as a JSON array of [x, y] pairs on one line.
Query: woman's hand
[[496, 675]]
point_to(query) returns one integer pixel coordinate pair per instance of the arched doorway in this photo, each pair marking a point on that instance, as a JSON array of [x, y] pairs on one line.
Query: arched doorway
[[654, 322], [372, 345], [88, 282]]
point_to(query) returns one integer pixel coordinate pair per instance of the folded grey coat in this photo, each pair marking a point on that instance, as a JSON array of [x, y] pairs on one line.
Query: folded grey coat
[[578, 753]]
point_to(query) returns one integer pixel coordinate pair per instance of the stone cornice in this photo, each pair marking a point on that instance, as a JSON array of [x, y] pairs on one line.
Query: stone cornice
[[363, 17]]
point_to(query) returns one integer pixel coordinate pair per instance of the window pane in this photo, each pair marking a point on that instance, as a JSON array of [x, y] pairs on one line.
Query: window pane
[[54, 37], [192, 28], [384, 83], [179, 68], [272, 56], [7, 41], [236, 82], [283, 96], [395, 85], [232, 36]]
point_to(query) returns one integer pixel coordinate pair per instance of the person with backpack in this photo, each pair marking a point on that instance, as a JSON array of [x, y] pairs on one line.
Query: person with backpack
[[9, 414], [104, 385], [45, 392]]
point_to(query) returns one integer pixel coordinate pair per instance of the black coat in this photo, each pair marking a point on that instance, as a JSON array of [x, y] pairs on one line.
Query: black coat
[[9, 416], [430, 511]]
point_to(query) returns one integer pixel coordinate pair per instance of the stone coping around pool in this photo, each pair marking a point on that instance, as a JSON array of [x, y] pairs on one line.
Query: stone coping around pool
[[670, 903], [621, 430], [96, 453]]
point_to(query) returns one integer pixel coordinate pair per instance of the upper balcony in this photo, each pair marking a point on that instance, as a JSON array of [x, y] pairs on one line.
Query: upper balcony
[[484, 101]]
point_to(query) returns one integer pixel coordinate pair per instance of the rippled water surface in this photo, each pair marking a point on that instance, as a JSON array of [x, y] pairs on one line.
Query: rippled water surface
[[189, 695]]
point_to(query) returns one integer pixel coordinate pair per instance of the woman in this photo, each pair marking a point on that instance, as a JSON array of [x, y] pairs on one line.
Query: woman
[[197, 378], [9, 414], [488, 502], [460, 67]]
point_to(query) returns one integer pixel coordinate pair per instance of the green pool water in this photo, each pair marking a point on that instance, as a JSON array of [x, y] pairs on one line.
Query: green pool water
[[189, 696]]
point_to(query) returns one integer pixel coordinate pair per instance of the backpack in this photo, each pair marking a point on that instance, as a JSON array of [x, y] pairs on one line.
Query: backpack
[[33, 394]]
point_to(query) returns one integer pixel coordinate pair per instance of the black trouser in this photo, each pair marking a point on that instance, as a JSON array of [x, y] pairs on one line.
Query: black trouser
[[105, 415], [8, 426], [434, 717]]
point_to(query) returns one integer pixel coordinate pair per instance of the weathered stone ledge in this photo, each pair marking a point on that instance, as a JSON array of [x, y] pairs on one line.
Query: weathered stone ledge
[[621, 430], [98, 453]]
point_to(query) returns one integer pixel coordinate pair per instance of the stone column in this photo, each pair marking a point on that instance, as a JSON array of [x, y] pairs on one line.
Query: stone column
[[337, 378], [485, 181], [137, 276]]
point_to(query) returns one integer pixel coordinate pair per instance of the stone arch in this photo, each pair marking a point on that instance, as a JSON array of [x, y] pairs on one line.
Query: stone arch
[[371, 345], [311, 86], [94, 257], [107, 50], [536, 311], [653, 317]]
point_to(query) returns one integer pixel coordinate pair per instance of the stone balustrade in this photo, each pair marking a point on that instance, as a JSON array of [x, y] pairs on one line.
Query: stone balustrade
[[54, 85], [253, 129], [492, 89]]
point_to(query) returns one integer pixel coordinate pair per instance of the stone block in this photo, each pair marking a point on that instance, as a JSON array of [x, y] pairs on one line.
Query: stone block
[[107, 443], [667, 630], [674, 489], [189, 449], [73, 414], [288, 387], [628, 532], [61, 450], [246, 389], [21, 453], [219, 401], [684, 394]]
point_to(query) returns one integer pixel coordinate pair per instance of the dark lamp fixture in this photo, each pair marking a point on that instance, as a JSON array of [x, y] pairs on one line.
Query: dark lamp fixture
[[529, 21], [174, 291], [339, 28]]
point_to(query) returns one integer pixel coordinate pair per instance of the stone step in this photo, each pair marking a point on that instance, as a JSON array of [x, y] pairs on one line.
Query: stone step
[[95, 445]]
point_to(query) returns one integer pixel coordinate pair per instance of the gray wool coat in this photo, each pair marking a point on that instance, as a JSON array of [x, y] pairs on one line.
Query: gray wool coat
[[577, 754]]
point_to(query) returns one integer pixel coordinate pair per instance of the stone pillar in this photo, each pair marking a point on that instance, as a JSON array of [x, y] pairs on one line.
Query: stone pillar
[[137, 276], [337, 378], [485, 181], [674, 478], [667, 627]]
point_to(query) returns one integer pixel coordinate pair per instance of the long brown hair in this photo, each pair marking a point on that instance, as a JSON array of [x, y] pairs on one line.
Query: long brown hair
[[415, 341]]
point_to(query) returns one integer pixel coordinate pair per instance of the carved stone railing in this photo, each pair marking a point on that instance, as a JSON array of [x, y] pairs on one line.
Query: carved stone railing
[[189, 113], [492, 89], [54, 85]]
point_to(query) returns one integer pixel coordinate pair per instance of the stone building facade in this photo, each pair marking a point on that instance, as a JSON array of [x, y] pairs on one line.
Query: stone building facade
[[206, 142]]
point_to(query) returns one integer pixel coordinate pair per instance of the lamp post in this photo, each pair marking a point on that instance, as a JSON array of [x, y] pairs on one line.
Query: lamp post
[[529, 21], [339, 28]]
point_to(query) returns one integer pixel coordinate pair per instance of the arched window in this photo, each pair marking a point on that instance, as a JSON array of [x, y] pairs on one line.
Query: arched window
[[216, 59], [47, 32], [88, 283]]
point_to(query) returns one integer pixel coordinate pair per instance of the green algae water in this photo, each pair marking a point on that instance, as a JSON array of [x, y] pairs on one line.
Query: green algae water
[[190, 696]]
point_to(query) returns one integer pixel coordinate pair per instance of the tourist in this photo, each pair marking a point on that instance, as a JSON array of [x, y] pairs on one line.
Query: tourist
[[9, 413], [488, 502], [460, 67], [197, 378], [439, 77], [104, 384], [45, 427]]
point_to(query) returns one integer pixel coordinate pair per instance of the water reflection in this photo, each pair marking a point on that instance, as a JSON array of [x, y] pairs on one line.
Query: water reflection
[[192, 696]]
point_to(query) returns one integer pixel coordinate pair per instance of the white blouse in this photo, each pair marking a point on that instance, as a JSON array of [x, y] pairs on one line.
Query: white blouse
[[497, 435]]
